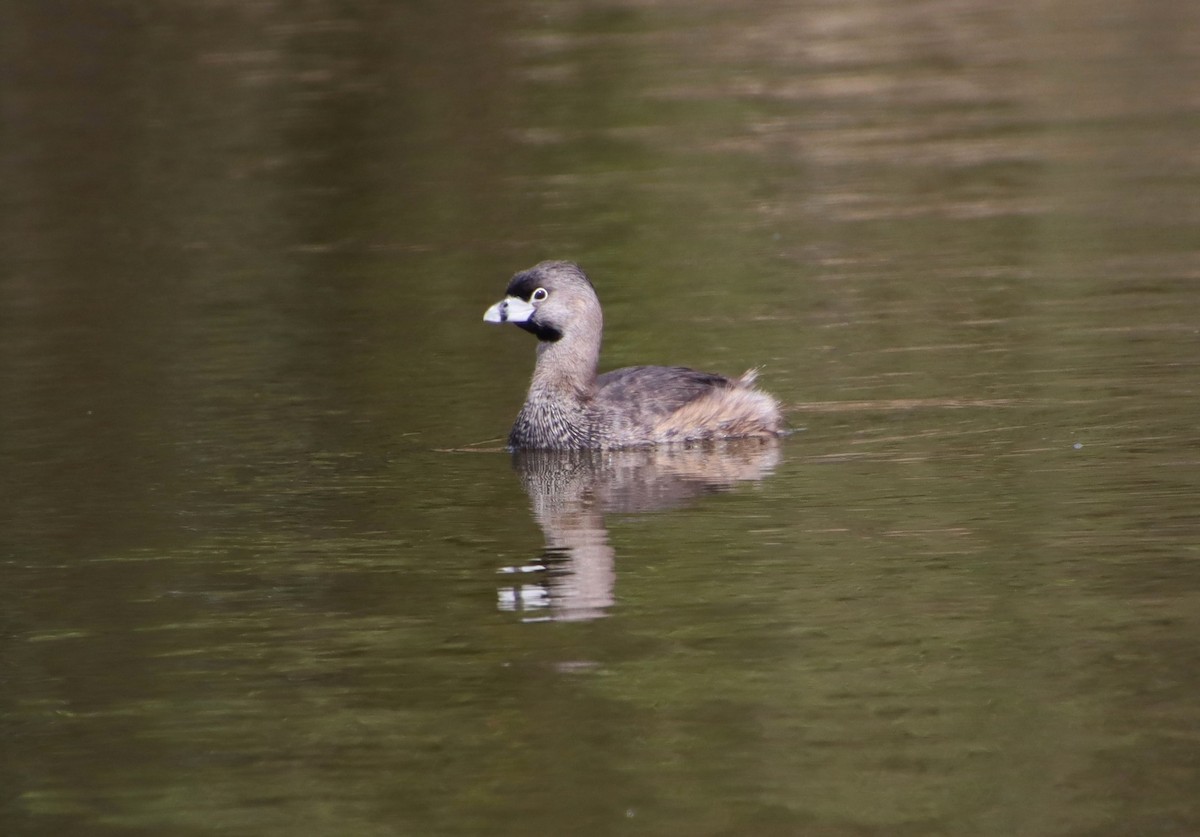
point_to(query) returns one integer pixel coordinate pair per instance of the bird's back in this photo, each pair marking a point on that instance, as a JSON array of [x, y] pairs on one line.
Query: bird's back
[[656, 404]]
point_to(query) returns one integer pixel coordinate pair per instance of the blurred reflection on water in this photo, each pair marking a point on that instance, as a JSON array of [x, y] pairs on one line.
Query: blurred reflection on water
[[571, 494], [243, 251]]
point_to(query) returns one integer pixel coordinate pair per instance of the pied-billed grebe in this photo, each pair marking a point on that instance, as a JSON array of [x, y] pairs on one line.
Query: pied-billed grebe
[[569, 407]]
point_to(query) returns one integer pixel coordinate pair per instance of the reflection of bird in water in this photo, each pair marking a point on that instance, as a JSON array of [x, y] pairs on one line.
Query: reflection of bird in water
[[569, 407], [571, 492]]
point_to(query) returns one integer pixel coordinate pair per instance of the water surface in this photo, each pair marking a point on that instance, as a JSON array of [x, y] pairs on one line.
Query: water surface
[[266, 572]]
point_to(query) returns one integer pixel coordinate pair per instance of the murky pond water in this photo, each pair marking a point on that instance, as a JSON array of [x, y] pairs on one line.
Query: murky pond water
[[265, 571]]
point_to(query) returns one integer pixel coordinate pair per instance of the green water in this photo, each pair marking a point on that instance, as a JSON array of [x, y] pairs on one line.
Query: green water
[[263, 572]]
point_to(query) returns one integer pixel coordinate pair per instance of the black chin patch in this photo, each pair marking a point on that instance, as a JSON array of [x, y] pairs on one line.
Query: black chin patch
[[545, 333]]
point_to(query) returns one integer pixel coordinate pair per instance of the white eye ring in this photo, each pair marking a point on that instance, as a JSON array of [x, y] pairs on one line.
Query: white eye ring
[[539, 295]]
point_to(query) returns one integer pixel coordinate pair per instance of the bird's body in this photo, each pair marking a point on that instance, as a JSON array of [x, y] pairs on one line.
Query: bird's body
[[570, 407]]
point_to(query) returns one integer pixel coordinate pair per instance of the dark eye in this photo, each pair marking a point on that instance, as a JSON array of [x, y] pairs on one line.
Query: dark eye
[[539, 295]]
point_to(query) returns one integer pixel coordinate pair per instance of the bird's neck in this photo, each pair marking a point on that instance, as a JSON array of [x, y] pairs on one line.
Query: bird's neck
[[567, 367]]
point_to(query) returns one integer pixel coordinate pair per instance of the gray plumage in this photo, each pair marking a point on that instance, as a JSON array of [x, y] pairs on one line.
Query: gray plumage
[[570, 407]]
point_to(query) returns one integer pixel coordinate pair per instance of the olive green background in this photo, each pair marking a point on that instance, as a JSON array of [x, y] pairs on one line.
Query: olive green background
[[251, 583]]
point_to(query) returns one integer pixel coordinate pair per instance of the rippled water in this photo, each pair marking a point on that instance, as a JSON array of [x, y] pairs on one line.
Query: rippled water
[[266, 571]]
